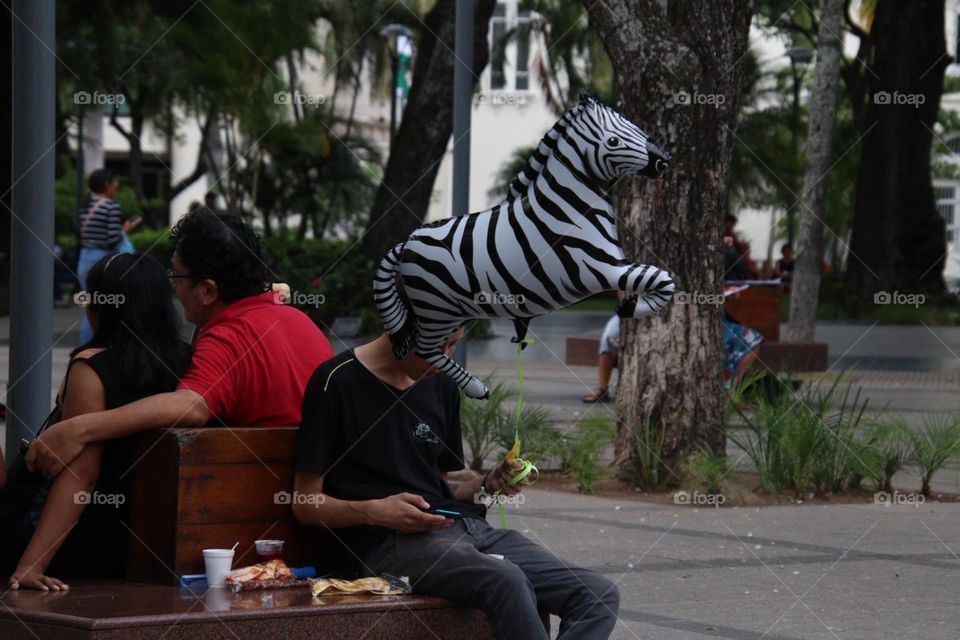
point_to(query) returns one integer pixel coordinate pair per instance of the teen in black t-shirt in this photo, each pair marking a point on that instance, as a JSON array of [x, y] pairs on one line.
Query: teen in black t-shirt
[[378, 441], [366, 453]]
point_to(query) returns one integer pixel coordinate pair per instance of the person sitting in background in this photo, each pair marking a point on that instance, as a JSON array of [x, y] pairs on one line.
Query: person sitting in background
[[252, 357], [785, 264], [102, 231], [56, 528], [606, 361]]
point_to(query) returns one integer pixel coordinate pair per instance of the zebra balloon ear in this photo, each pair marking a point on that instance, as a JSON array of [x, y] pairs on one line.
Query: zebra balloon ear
[[587, 99]]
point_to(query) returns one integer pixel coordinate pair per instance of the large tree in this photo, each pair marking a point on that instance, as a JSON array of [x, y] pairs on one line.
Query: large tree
[[670, 375], [421, 140], [895, 84]]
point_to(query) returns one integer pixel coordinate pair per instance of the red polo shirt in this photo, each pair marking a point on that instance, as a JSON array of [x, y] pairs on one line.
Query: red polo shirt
[[252, 361]]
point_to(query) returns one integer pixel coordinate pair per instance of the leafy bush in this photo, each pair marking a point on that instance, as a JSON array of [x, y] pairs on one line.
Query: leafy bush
[[934, 446], [649, 471], [808, 441], [710, 473], [488, 425], [583, 448]]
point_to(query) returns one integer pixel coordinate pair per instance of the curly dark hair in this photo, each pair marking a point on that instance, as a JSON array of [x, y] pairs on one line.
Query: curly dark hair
[[222, 248]]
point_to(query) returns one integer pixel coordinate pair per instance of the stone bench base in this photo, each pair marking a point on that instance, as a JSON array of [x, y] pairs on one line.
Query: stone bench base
[[106, 610]]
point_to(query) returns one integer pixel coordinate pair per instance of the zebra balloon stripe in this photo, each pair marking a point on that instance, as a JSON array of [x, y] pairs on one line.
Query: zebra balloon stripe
[[551, 242]]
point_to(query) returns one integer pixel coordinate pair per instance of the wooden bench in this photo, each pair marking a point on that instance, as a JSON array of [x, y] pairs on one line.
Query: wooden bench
[[122, 610], [196, 489], [208, 488]]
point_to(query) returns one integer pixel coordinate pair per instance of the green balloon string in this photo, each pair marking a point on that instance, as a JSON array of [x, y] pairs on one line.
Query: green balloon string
[[527, 473]]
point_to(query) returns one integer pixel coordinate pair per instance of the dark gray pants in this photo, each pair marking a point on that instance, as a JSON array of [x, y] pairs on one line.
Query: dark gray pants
[[453, 563]]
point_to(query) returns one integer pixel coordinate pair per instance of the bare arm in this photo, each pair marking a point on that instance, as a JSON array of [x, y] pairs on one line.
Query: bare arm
[[63, 507], [402, 512], [62, 443]]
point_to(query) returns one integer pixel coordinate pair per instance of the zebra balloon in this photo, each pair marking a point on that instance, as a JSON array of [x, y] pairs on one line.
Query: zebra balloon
[[552, 242]]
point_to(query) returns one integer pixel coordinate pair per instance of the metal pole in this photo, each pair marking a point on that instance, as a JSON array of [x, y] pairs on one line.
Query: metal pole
[[31, 233], [462, 104], [395, 62]]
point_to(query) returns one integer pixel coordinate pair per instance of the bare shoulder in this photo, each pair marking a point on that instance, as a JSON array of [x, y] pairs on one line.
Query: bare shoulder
[[87, 353]]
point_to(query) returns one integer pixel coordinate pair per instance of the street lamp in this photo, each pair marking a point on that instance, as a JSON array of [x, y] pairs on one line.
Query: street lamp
[[399, 37], [799, 56]]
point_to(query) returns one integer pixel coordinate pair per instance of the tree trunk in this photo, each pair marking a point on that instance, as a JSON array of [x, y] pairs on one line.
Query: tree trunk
[[805, 287], [670, 370], [899, 240], [404, 194]]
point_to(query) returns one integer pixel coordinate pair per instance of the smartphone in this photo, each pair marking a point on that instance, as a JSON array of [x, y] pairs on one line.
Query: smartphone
[[444, 512]]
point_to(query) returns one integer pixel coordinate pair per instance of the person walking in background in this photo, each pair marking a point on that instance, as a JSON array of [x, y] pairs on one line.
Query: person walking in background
[[102, 231]]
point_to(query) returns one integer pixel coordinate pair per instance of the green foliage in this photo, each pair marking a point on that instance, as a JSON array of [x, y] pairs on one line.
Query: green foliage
[[807, 442], [509, 170], [649, 471], [328, 267], [838, 301], [934, 446], [886, 452], [581, 450], [488, 425], [710, 473], [481, 422]]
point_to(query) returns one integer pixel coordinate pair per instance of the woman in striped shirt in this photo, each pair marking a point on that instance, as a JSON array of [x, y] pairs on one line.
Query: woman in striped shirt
[[102, 231]]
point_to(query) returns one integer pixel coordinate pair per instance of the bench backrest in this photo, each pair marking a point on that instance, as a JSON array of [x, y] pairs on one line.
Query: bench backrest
[[196, 489]]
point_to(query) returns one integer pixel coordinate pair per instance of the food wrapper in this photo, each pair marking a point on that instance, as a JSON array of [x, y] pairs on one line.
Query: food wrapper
[[385, 585], [273, 570]]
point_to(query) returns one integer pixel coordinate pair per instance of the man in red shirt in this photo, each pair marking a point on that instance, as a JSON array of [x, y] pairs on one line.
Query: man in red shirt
[[252, 357]]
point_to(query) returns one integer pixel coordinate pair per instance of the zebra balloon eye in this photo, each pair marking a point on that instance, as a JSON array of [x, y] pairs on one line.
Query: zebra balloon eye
[[613, 142]]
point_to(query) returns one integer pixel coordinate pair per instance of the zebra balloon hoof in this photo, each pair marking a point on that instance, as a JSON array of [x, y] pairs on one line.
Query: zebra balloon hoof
[[476, 389], [551, 242]]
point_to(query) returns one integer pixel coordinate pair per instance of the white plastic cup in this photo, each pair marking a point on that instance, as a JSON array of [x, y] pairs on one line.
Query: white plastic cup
[[218, 563]]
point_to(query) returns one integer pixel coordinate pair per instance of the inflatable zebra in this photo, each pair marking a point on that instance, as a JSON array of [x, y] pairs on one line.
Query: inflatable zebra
[[552, 242]]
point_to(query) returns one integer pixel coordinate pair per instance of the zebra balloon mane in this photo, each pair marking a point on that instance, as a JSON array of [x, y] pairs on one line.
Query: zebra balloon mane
[[551, 242]]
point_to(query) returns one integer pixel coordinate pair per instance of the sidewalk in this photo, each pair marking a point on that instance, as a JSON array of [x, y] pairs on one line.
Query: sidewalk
[[774, 573]]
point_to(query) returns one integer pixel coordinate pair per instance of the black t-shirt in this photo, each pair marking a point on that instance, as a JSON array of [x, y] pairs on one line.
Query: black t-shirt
[[371, 440]]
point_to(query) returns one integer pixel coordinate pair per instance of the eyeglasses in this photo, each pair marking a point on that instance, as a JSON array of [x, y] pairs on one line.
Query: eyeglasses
[[174, 276]]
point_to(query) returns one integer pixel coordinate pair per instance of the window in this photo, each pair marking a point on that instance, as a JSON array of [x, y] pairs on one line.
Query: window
[[498, 28], [947, 203], [523, 50]]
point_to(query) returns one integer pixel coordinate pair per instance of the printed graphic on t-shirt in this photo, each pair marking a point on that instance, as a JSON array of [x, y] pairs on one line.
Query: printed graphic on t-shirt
[[423, 433]]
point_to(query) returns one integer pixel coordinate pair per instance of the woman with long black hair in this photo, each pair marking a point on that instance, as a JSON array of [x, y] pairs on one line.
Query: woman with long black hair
[[74, 526]]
